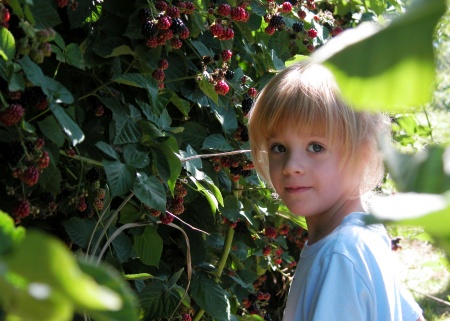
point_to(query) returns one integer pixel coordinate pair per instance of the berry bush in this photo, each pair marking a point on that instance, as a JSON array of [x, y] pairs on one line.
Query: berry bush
[[123, 136]]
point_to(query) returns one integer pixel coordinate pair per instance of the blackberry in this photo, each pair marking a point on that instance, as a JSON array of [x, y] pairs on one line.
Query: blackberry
[[241, 227], [276, 21], [229, 74], [236, 170], [145, 14], [149, 29], [47, 198], [34, 98], [298, 26], [246, 172], [247, 104], [252, 297], [267, 317], [177, 26], [93, 175], [293, 2]]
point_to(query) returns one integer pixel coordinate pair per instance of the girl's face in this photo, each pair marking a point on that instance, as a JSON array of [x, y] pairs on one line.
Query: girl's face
[[305, 171]]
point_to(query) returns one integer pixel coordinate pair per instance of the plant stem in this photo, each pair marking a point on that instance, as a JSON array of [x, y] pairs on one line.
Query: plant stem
[[83, 159]]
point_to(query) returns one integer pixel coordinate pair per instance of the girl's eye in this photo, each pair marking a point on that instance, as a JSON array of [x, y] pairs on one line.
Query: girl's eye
[[278, 148], [315, 148]]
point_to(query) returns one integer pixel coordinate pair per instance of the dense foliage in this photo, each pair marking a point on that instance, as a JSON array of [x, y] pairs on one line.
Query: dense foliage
[[123, 135]]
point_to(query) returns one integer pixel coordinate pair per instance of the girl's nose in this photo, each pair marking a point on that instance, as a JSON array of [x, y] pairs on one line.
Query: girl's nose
[[293, 165]]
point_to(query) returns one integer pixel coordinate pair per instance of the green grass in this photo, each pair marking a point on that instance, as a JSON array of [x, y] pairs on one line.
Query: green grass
[[425, 271]]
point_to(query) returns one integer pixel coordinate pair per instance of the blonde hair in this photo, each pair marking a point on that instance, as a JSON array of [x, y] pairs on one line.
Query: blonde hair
[[305, 97]]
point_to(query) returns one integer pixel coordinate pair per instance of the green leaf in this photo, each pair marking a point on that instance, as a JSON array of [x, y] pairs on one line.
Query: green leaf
[[208, 89], [150, 191], [120, 51], [50, 179], [158, 301], [52, 130], [217, 142], [79, 230], [126, 125], [390, 70], [134, 157], [168, 163], [71, 128], [231, 208], [202, 49], [120, 177], [210, 297], [7, 44], [44, 260], [149, 246], [45, 14], [430, 211], [108, 150], [74, 56], [121, 244], [9, 233], [194, 134]]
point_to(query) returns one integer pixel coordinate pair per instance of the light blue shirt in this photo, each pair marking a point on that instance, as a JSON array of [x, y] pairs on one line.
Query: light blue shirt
[[349, 276]]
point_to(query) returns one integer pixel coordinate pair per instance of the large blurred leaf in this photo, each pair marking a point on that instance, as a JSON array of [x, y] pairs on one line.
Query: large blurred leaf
[[9, 233], [387, 69], [7, 44], [430, 211]]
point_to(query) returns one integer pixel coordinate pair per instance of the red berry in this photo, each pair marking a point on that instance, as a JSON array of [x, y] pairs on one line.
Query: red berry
[[6, 15], [260, 296], [267, 250], [310, 47], [239, 14], [302, 14], [190, 7], [252, 92], [163, 64], [21, 209], [217, 30], [173, 12], [286, 7], [270, 30], [227, 34], [312, 33], [184, 34], [221, 87], [39, 143], [176, 43], [61, 3], [161, 5], [71, 152], [164, 22], [12, 114], [159, 75], [270, 232], [224, 9], [226, 54], [152, 42], [186, 317], [167, 219], [336, 31], [43, 161], [30, 176], [155, 213]]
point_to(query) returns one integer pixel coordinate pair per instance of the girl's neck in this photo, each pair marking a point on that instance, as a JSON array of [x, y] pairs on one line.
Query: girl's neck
[[321, 225]]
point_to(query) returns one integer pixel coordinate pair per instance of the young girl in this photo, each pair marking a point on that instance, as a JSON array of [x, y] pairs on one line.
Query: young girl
[[321, 156]]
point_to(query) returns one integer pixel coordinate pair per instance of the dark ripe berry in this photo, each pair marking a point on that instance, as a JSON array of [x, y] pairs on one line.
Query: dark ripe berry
[[252, 297], [163, 64], [267, 317], [21, 209], [47, 198], [312, 33], [224, 9], [161, 5], [305, 41], [177, 26], [298, 26], [293, 2], [221, 87], [93, 174], [149, 29], [12, 114], [229, 74], [61, 3], [241, 227], [276, 21], [159, 75], [145, 14], [164, 22], [226, 54], [173, 12], [286, 7], [247, 104], [30, 176], [15, 152], [34, 98]]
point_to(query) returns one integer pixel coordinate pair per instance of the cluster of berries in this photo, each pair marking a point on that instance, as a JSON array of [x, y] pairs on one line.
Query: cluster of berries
[[159, 74], [241, 134], [73, 4], [224, 16], [254, 304], [248, 100], [93, 177], [238, 165], [298, 236], [35, 43], [174, 205], [5, 15], [167, 27], [22, 209], [28, 160], [218, 78]]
